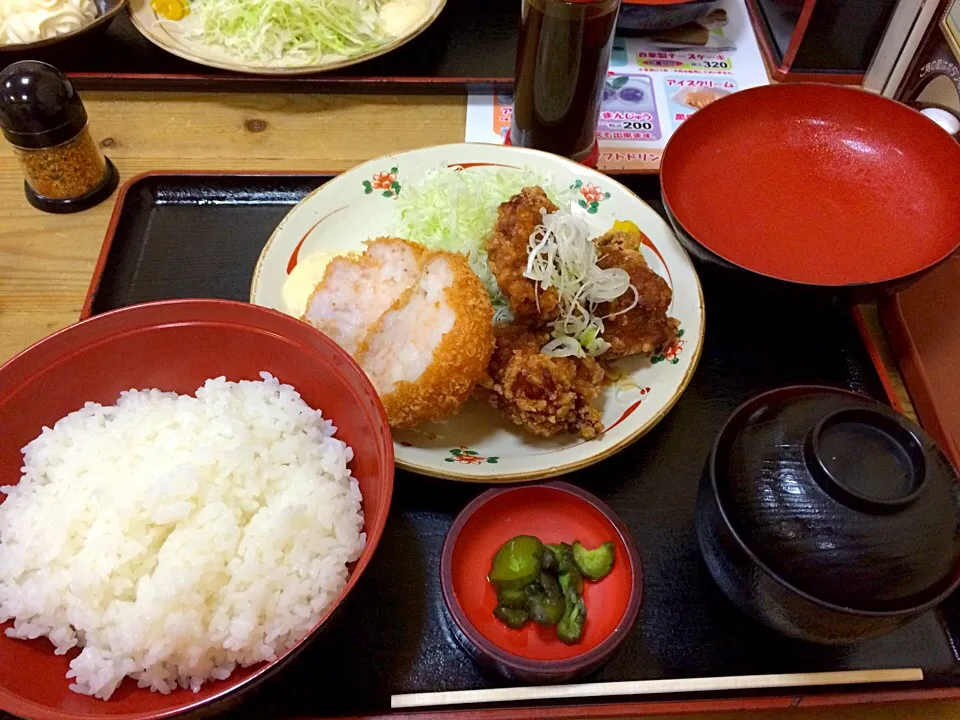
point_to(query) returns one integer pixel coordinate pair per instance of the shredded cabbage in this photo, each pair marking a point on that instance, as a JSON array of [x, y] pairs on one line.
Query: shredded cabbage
[[453, 209], [563, 256], [288, 32]]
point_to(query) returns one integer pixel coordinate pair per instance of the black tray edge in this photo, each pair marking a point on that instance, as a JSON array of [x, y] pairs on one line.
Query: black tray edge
[[130, 186]]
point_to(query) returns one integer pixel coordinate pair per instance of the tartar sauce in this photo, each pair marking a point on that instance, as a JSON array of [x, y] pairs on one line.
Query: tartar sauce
[[304, 278], [398, 16]]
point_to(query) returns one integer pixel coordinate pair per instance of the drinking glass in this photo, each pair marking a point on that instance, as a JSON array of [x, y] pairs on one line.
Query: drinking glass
[[562, 60]]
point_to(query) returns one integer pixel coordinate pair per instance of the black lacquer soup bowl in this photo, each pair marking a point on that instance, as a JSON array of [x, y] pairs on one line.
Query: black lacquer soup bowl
[[828, 516]]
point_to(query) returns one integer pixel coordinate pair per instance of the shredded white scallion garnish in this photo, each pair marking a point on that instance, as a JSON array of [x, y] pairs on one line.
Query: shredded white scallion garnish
[[562, 256]]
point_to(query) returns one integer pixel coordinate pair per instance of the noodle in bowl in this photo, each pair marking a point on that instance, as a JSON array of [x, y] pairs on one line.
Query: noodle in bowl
[[29, 21]]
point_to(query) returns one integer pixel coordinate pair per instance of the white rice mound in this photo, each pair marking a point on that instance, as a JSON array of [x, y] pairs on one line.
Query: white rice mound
[[174, 537]]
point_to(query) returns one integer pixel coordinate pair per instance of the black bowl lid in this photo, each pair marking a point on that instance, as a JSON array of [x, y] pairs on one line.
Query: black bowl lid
[[841, 497]]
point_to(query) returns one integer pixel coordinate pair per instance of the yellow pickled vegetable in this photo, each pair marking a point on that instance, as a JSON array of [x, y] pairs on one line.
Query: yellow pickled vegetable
[[624, 226], [170, 9]]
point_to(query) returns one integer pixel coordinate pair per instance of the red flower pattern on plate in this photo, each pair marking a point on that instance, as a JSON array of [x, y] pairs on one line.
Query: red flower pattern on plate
[[384, 182], [469, 457], [591, 193], [671, 351]]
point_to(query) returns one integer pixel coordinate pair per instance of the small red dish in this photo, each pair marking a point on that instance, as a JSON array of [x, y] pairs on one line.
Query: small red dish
[[177, 345], [554, 512]]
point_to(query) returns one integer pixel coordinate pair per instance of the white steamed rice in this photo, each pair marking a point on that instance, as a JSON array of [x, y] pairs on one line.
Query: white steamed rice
[[175, 537]]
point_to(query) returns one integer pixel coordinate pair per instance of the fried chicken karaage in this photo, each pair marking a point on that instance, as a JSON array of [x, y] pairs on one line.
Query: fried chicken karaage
[[548, 395], [544, 395], [507, 252], [646, 327]]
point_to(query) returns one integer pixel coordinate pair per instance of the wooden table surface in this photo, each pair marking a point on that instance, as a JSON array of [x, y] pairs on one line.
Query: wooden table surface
[[46, 260]]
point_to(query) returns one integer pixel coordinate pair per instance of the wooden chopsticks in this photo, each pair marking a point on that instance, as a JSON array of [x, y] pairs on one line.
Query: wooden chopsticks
[[651, 687]]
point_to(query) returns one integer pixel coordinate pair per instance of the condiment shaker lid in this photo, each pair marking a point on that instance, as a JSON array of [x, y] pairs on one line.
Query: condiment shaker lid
[[38, 105]]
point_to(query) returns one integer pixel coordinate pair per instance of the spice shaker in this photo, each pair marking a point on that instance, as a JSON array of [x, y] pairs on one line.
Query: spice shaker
[[44, 120]]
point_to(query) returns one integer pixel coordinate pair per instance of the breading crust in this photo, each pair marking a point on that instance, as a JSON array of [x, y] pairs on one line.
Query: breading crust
[[459, 361]]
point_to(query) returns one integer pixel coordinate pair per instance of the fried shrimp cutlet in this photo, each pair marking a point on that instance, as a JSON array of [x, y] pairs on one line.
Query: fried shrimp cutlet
[[507, 252], [646, 327], [544, 395], [357, 290], [426, 353]]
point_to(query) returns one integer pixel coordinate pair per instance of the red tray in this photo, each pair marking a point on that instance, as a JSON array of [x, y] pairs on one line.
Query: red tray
[[922, 325]]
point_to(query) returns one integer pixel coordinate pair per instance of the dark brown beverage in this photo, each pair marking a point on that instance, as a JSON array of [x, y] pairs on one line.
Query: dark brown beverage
[[561, 66]]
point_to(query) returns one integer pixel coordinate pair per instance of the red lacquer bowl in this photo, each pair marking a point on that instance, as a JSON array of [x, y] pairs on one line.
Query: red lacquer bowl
[[554, 512], [816, 188], [176, 345]]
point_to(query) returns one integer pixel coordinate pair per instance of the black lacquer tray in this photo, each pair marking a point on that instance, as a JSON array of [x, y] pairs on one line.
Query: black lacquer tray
[[200, 235], [471, 45]]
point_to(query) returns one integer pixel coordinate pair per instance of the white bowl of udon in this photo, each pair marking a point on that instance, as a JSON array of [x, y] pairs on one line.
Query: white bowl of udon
[[27, 26]]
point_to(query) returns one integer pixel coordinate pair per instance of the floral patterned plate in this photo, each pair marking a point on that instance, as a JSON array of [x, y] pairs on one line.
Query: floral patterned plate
[[479, 444]]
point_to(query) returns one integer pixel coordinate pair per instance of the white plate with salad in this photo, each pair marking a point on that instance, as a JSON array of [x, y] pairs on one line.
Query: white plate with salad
[[447, 198], [281, 37]]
